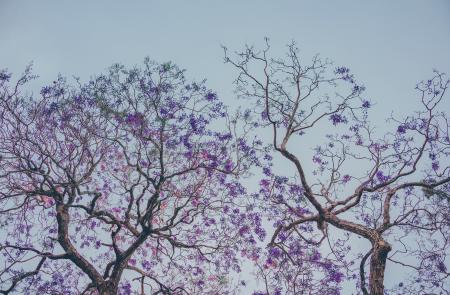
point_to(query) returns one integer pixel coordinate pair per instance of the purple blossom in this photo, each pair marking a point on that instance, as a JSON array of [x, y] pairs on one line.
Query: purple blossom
[[164, 113], [267, 171], [346, 178], [200, 283], [210, 96], [336, 276], [260, 232], [58, 278], [268, 157], [45, 90], [186, 143], [441, 266], [337, 119], [342, 70], [265, 185], [358, 89], [125, 288], [296, 189], [134, 119], [435, 165], [315, 257], [317, 160], [345, 74], [4, 76], [228, 166], [146, 265], [381, 177], [275, 252], [264, 115], [401, 129], [224, 137], [244, 230]]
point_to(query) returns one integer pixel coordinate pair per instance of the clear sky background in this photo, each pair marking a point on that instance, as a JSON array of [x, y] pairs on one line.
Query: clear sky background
[[389, 45]]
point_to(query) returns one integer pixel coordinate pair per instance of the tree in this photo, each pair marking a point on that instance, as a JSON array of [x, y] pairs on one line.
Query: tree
[[391, 189], [127, 184], [120, 184]]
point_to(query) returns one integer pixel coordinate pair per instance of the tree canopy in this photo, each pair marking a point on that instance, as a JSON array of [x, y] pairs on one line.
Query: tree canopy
[[139, 182]]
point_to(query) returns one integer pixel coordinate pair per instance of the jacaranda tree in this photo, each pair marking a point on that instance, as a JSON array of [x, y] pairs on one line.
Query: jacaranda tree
[[121, 185], [388, 187], [131, 183]]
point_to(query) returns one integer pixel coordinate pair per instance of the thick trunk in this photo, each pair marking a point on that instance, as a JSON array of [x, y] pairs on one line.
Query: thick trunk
[[108, 289], [377, 267]]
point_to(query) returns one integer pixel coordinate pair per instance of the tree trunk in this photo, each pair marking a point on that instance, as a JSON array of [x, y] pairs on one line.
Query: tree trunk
[[108, 289], [377, 267]]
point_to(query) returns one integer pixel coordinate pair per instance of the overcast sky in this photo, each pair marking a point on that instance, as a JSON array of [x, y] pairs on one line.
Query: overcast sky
[[389, 45]]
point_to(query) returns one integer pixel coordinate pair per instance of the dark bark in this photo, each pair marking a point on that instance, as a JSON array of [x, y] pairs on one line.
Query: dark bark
[[109, 288], [63, 219], [377, 267], [378, 258]]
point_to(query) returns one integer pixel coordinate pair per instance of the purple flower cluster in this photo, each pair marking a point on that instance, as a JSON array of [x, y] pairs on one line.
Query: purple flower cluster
[[366, 104], [211, 96], [338, 119], [135, 119], [401, 129], [346, 178], [4, 76], [381, 177]]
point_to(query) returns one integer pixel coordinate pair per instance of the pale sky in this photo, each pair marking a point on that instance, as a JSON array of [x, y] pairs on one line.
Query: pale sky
[[389, 45]]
